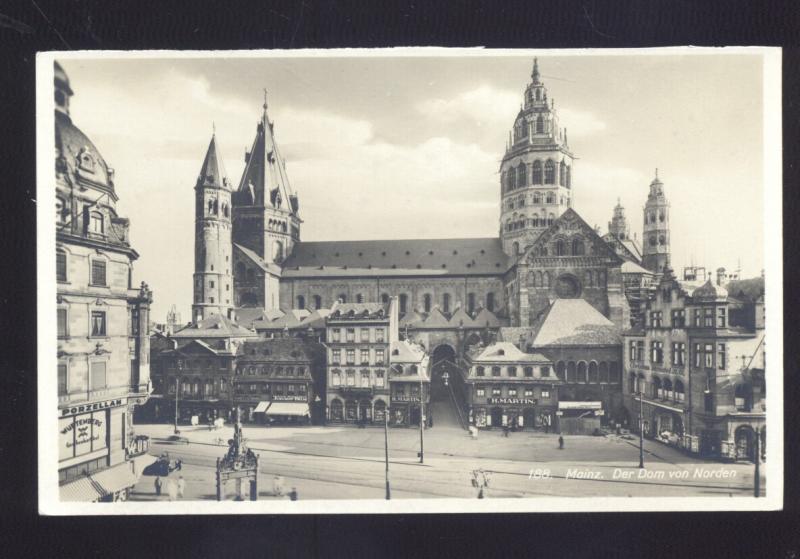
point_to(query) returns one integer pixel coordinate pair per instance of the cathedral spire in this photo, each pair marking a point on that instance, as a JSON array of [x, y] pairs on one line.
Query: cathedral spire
[[212, 173]]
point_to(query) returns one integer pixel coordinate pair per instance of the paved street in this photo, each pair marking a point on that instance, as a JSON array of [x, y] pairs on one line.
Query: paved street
[[339, 462]]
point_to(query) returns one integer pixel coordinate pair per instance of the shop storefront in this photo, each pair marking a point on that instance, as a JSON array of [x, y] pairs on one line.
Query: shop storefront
[[357, 406], [287, 410], [515, 413]]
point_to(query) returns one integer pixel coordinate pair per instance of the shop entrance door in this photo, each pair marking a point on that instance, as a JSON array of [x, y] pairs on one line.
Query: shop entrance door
[[414, 416], [529, 418], [497, 417]]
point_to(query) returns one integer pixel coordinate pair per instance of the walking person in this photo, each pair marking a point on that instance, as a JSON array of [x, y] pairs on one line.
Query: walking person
[[172, 490], [293, 494], [560, 442], [181, 487], [505, 431], [277, 485], [178, 464], [158, 486]]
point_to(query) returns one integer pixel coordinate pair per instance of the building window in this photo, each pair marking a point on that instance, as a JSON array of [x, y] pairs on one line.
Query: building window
[[336, 335], [403, 303], [582, 371], [336, 356], [512, 392], [560, 248], [655, 319], [490, 302], [540, 126], [62, 379], [379, 356], [98, 323], [351, 356], [593, 374], [721, 356], [577, 247], [512, 371], [480, 391], [678, 318], [721, 318], [62, 323], [549, 172], [480, 371], [351, 378], [633, 356], [545, 394], [495, 371], [365, 357], [657, 352], [708, 317], [342, 297], [350, 334], [301, 301], [446, 302], [98, 272], [678, 353], [364, 378], [379, 379], [551, 198], [704, 355], [98, 375], [336, 378], [96, 223], [496, 391], [61, 265], [365, 334], [528, 371], [317, 302]]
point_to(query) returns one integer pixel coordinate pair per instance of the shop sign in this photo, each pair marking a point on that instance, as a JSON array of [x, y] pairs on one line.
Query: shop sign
[[530, 401], [403, 398], [290, 398], [81, 434], [91, 407], [580, 405]]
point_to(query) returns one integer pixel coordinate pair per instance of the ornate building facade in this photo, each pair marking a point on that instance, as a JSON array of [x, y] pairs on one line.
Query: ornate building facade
[[102, 321]]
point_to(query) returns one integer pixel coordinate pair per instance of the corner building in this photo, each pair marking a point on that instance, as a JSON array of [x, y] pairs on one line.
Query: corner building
[[102, 322]]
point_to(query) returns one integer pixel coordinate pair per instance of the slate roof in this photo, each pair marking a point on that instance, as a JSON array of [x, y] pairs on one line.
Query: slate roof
[[407, 352], [212, 173], [629, 267], [574, 322], [273, 269], [215, 326], [505, 352], [277, 349], [412, 257], [246, 316]]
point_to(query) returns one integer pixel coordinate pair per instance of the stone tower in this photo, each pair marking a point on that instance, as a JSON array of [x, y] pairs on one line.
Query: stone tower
[[536, 171], [213, 281], [265, 209], [618, 226], [656, 228]]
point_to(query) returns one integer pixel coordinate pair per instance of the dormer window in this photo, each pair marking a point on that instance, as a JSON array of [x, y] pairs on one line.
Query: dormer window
[[85, 160], [96, 223]]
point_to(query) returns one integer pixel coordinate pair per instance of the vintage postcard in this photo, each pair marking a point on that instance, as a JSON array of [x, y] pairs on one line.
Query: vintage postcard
[[410, 280]]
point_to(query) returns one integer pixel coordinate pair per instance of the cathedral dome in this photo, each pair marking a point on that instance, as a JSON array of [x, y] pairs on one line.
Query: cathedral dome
[[708, 292], [76, 155]]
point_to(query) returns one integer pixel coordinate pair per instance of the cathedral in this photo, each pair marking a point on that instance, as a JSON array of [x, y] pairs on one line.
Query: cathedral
[[250, 262]]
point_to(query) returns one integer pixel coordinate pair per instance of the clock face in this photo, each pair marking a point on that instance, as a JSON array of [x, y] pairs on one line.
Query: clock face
[[567, 287]]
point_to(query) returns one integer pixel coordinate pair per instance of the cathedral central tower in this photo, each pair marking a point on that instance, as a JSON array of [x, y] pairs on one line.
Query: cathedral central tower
[[536, 171], [656, 228]]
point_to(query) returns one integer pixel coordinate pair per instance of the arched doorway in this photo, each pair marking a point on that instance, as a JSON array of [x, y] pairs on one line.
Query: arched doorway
[[380, 411], [744, 439], [365, 410], [497, 417], [337, 410], [443, 352], [350, 411]]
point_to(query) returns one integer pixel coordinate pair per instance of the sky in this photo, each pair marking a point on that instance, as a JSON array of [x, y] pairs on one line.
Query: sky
[[410, 146]]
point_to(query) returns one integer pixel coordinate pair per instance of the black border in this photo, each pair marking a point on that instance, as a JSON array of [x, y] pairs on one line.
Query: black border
[[39, 25]]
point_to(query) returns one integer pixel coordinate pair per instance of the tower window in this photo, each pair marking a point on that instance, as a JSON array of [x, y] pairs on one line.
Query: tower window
[[661, 216], [211, 284], [562, 174], [569, 177], [540, 124], [662, 240], [522, 175], [549, 172], [653, 241], [559, 248], [577, 247], [536, 176]]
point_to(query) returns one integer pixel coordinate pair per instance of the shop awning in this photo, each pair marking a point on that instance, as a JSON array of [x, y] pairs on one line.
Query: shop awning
[[288, 408], [261, 407], [98, 485]]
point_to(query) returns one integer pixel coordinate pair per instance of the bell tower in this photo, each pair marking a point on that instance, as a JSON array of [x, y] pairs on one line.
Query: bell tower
[[656, 228], [536, 171], [618, 226], [213, 281]]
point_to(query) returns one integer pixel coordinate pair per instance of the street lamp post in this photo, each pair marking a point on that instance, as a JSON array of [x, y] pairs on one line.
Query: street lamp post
[[386, 449], [757, 473], [421, 420], [641, 430], [177, 386]]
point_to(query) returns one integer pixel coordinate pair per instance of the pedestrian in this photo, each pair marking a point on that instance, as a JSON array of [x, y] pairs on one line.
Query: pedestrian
[[158, 486], [293, 494], [560, 442], [172, 490], [505, 431], [277, 485], [181, 486], [178, 464]]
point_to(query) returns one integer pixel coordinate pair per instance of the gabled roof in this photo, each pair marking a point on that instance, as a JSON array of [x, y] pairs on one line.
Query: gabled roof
[[268, 267], [215, 326], [246, 316], [436, 319], [264, 180], [506, 352], [412, 318], [461, 318], [316, 319], [212, 173], [412, 257], [574, 322], [629, 267], [633, 248], [194, 347], [486, 319], [406, 352]]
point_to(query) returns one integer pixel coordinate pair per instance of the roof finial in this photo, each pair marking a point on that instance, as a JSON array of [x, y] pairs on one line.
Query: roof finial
[[656, 172], [535, 73], [213, 128], [265, 98]]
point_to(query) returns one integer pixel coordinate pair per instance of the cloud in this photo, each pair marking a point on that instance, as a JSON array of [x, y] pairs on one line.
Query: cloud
[[486, 106], [579, 123]]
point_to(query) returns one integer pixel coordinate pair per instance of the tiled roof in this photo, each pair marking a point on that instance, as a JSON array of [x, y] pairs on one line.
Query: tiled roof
[[246, 316], [257, 260], [412, 318], [275, 349], [215, 326], [506, 352], [629, 267], [407, 352], [412, 257], [486, 319], [574, 322], [633, 248], [368, 310]]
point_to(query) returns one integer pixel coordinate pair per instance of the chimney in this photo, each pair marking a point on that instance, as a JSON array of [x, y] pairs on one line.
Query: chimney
[[720, 276]]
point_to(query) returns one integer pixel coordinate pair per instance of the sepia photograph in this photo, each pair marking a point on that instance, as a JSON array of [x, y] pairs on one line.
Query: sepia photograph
[[410, 280]]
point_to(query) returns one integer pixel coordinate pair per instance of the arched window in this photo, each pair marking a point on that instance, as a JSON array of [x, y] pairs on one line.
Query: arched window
[[317, 302], [551, 198], [668, 389], [560, 369], [96, 223], [539, 279], [385, 298], [538, 94], [536, 177], [569, 176], [511, 177], [653, 240], [535, 221], [446, 302], [588, 279], [657, 390], [471, 302], [661, 216], [532, 279], [301, 302], [522, 174], [490, 302], [571, 371], [662, 240], [577, 247], [560, 249], [603, 371], [562, 174], [521, 202], [426, 302], [516, 248], [582, 371], [540, 125], [593, 377], [679, 395], [537, 198], [546, 280], [550, 219], [403, 302], [359, 298], [549, 172], [342, 297]]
